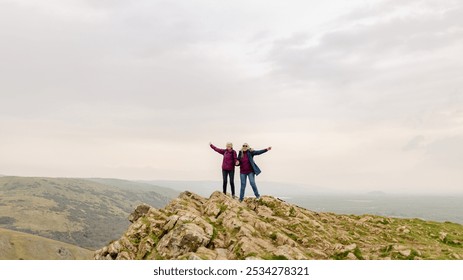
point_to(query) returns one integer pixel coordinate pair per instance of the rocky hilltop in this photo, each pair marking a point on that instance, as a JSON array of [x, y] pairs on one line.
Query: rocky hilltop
[[193, 227]]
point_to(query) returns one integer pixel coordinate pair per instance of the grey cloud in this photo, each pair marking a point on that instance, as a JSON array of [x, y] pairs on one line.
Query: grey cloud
[[387, 69], [351, 53], [139, 54]]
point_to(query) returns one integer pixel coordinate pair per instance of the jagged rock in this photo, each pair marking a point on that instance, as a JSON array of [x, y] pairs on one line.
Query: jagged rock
[[221, 254], [183, 239], [442, 236], [399, 247], [350, 247], [191, 227], [140, 211], [123, 256], [403, 229], [206, 254], [456, 256], [190, 256], [406, 253], [351, 256]]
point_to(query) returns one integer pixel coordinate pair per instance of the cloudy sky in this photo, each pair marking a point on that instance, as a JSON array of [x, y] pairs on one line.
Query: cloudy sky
[[352, 95]]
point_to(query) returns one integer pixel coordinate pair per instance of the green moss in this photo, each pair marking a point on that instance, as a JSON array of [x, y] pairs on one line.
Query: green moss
[[237, 251], [275, 257], [383, 222], [269, 204], [145, 221], [386, 249], [273, 236], [154, 237], [399, 256], [358, 254], [268, 219], [135, 241], [253, 254], [292, 212], [291, 235], [213, 237], [340, 255], [223, 207]]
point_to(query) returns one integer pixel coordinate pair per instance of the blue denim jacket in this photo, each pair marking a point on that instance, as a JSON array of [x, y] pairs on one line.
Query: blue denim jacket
[[251, 155]]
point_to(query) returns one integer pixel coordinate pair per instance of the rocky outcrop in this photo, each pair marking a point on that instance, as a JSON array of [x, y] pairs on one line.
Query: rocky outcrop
[[219, 227]]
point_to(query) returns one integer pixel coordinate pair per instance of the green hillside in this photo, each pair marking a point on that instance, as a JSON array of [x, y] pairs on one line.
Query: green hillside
[[22, 246], [82, 212]]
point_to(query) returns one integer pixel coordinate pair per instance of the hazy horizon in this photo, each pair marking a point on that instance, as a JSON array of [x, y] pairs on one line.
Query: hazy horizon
[[358, 95], [272, 188]]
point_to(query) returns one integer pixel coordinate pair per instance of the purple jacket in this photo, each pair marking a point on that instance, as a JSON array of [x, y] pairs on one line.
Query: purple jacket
[[245, 166], [229, 158]]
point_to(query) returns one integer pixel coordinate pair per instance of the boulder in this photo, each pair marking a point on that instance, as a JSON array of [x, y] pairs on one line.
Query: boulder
[[182, 239], [140, 211]]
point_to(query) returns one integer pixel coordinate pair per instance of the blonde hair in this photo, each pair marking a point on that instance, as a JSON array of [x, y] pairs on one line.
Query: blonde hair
[[247, 148], [229, 144]]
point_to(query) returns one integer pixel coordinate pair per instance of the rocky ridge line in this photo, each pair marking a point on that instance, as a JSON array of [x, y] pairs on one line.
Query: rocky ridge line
[[219, 227]]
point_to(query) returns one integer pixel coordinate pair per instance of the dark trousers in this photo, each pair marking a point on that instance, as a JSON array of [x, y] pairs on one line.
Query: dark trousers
[[226, 174]]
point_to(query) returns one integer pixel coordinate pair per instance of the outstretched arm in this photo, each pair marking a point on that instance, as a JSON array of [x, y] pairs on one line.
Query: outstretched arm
[[220, 151], [259, 152]]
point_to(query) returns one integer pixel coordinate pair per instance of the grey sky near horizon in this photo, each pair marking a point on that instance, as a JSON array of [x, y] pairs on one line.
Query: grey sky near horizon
[[352, 95]]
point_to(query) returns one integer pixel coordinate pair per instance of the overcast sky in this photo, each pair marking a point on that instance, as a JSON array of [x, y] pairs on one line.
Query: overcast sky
[[352, 95]]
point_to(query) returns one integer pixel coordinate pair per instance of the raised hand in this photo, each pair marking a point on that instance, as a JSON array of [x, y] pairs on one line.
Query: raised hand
[[269, 148]]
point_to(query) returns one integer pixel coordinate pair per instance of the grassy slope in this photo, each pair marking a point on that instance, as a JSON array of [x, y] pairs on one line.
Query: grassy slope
[[76, 211], [17, 245]]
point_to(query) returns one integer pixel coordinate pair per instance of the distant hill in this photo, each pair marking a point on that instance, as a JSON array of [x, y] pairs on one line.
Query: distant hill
[[218, 227], [376, 193], [84, 212], [277, 189], [16, 245], [134, 185]]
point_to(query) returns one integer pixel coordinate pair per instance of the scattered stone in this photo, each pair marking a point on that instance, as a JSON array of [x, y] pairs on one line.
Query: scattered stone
[[406, 253], [351, 256], [350, 247], [403, 229], [442, 236], [456, 256]]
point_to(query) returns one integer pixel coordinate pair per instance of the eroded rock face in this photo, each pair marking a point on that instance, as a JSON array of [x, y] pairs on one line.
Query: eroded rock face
[[183, 239], [193, 227], [140, 211]]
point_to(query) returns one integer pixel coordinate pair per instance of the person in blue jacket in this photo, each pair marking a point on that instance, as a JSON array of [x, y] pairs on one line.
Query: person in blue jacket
[[248, 168]]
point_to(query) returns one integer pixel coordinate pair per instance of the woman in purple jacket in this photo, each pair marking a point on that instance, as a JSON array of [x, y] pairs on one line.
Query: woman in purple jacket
[[228, 166]]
